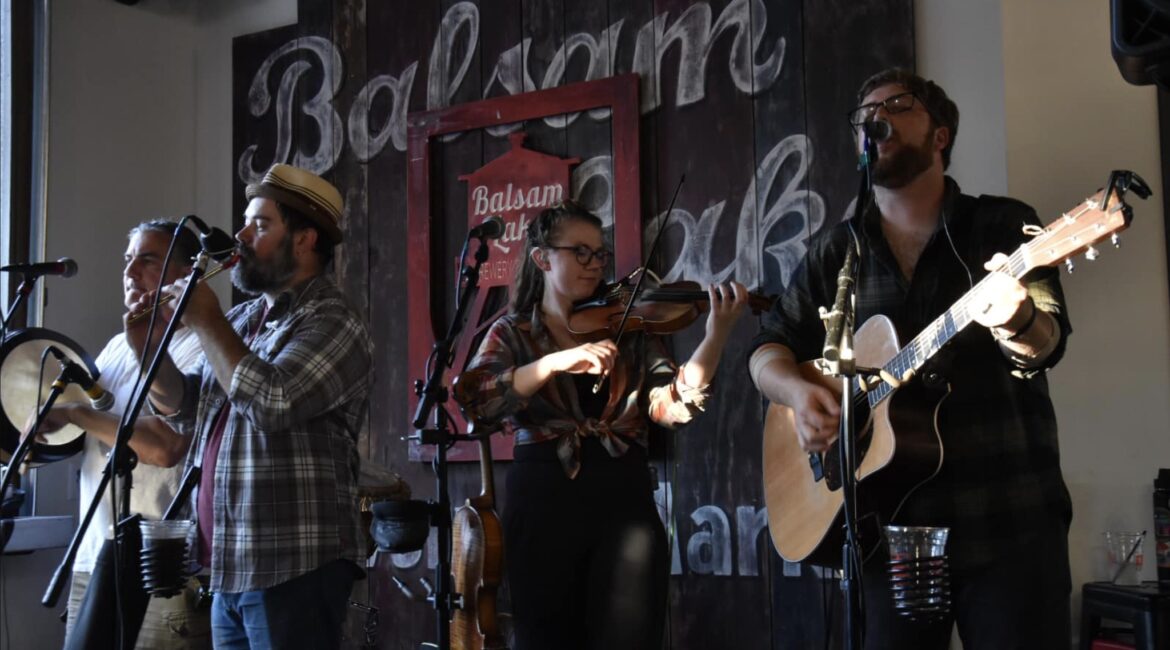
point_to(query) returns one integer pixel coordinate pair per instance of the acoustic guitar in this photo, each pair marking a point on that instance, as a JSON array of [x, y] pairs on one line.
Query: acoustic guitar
[[899, 448]]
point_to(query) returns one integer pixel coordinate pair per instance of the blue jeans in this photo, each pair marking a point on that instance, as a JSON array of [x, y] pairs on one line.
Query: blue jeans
[[305, 612]]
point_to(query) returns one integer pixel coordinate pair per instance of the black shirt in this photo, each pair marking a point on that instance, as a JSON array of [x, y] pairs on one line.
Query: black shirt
[[1000, 481]]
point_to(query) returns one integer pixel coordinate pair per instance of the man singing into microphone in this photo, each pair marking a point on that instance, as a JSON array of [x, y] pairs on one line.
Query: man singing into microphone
[[276, 408], [173, 622], [923, 244]]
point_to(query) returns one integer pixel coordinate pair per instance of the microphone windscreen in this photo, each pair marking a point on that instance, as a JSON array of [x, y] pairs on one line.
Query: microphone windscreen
[[68, 267], [492, 227], [877, 130]]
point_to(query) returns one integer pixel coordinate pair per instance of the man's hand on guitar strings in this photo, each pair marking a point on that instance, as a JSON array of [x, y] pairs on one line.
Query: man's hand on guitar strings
[[1000, 301]]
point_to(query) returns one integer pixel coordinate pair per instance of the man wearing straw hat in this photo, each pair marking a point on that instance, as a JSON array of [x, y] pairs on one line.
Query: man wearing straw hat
[[276, 408]]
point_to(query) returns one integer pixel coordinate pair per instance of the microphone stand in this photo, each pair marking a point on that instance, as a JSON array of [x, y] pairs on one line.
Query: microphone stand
[[122, 458], [841, 362], [23, 291], [63, 379], [432, 395]]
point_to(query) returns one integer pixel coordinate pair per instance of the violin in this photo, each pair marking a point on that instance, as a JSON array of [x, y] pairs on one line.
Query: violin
[[477, 552], [658, 309]]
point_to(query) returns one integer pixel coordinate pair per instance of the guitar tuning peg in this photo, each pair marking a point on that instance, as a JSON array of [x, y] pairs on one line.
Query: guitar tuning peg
[[1068, 264], [1091, 254], [1115, 240]]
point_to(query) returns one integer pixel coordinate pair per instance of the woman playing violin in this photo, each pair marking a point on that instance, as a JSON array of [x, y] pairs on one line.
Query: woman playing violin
[[586, 554]]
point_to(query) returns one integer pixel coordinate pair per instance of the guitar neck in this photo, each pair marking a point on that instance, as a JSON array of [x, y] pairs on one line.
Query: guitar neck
[[942, 329]]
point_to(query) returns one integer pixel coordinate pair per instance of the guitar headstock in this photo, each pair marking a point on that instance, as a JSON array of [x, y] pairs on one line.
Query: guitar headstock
[[1098, 217]]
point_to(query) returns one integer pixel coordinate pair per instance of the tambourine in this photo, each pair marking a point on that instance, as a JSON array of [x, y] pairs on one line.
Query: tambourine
[[20, 363]]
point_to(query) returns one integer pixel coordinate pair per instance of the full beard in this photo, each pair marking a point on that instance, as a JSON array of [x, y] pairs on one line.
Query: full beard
[[255, 277], [903, 165]]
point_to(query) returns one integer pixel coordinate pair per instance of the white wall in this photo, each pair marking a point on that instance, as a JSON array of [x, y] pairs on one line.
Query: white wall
[[968, 63], [1052, 111], [1071, 119], [140, 127]]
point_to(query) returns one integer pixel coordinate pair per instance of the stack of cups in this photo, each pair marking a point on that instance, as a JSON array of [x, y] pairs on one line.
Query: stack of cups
[[164, 556], [920, 579]]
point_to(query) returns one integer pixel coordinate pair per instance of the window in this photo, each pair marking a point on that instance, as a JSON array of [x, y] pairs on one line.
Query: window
[[23, 115]]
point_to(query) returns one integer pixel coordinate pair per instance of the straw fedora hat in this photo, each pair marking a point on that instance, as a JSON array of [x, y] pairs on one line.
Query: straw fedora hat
[[304, 192]]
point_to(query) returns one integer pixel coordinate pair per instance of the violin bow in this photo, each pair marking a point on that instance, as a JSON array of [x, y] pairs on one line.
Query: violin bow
[[641, 277]]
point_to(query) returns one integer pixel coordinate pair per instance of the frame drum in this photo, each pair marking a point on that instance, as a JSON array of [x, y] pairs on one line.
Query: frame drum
[[20, 363]]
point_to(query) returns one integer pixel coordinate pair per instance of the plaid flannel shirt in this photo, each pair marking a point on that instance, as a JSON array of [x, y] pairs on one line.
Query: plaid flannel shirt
[[653, 388], [1000, 483], [286, 475]]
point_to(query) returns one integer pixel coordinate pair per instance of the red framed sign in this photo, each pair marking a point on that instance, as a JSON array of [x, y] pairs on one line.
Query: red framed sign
[[514, 186]]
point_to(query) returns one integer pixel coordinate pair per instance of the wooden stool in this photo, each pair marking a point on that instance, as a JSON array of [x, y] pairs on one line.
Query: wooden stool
[[1145, 606]]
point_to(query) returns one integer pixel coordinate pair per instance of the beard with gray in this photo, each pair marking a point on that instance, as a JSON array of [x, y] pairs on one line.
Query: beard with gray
[[904, 165], [255, 277]]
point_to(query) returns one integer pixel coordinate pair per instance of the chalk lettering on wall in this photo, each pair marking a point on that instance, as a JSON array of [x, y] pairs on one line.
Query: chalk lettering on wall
[[749, 524], [594, 178], [462, 18], [692, 32], [364, 140], [318, 108], [695, 259], [710, 548], [695, 37]]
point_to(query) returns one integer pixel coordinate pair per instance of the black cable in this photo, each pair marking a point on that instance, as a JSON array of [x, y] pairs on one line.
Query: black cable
[[826, 608], [154, 307], [113, 484], [4, 604]]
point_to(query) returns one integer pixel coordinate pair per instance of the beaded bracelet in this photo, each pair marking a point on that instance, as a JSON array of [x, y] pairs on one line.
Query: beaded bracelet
[[1020, 332]]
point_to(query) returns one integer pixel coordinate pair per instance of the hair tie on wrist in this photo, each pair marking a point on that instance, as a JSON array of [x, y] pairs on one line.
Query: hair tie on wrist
[[1024, 328]]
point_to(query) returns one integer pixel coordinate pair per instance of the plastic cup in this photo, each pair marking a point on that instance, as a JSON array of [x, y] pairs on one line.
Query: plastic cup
[[919, 573], [916, 542], [164, 555], [1125, 555]]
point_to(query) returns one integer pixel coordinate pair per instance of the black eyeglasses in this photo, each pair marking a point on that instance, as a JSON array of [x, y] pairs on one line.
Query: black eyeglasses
[[585, 255], [899, 103]]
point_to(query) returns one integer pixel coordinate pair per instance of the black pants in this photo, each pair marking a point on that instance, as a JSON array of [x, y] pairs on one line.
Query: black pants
[[586, 557], [1020, 602]]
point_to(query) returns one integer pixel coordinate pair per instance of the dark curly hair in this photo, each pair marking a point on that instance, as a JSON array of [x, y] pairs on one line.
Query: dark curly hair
[[528, 289], [943, 111]]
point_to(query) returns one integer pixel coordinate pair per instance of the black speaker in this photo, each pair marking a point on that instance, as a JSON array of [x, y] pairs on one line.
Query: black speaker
[[1141, 40]]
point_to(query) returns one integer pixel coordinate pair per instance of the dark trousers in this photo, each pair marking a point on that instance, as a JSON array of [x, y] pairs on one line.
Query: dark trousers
[[1020, 602], [586, 558]]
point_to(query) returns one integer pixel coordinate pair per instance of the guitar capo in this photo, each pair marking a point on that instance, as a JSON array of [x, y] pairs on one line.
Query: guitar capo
[[1121, 181]]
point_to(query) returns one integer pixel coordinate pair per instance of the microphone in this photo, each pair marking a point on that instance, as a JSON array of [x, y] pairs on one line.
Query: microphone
[[838, 322], [490, 228], [216, 243], [877, 130], [100, 398], [64, 267]]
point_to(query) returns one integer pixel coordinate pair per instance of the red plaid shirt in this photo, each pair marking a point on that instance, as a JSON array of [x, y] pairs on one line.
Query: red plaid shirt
[[650, 387]]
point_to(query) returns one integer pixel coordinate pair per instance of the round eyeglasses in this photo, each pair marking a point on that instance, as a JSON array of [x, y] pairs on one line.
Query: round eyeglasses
[[894, 104], [585, 255]]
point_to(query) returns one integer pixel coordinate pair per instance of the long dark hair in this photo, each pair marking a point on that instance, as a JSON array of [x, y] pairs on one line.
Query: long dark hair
[[528, 289]]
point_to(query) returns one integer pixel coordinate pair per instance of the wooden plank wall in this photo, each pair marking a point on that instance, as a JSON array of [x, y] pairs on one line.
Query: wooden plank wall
[[747, 97]]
